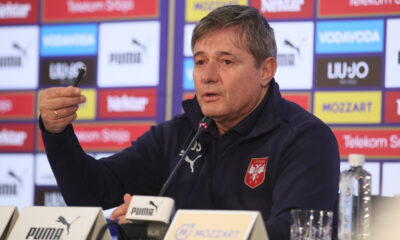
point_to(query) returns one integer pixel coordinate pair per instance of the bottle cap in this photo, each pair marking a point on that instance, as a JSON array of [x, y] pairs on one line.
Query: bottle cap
[[356, 160]]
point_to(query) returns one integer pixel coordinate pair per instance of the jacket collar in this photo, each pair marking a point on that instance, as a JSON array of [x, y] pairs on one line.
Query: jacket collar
[[261, 120]]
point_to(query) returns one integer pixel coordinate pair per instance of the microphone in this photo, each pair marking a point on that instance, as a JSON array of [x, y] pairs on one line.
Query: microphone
[[150, 215], [203, 125]]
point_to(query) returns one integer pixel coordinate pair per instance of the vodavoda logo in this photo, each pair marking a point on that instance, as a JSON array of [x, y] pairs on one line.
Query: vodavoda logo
[[392, 53], [295, 55], [55, 72], [18, 57], [349, 36], [129, 54], [67, 40], [16, 187], [349, 72]]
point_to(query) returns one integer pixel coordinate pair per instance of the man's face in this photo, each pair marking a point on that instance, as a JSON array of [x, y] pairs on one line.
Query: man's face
[[228, 84]]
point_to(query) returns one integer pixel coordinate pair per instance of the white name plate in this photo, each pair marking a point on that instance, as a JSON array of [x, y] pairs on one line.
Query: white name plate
[[227, 225], [53, 223], [8, 217], [150, 208]]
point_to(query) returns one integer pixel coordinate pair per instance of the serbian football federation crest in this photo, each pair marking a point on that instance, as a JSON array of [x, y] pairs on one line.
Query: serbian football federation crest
[[255, 174]]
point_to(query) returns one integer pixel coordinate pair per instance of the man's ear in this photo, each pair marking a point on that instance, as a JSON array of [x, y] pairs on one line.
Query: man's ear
[[268, 68]]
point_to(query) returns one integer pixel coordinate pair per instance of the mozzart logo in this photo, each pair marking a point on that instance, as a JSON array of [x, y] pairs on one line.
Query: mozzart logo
[[348, 107], [349, 71], [295, 56], [349, 36], [65, 40], [129, 58]]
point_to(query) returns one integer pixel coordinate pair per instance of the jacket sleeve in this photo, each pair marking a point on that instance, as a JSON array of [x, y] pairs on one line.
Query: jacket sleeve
[[308, 177], [85, 181]]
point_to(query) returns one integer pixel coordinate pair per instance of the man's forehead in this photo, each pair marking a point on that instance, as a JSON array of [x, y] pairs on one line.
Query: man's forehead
[[230, 36]]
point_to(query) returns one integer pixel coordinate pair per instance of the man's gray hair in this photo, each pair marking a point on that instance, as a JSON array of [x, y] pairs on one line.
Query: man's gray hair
[[260, 39]]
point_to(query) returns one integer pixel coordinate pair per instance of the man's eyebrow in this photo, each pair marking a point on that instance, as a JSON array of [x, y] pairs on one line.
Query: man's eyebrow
[[219, 53], [198, 53]]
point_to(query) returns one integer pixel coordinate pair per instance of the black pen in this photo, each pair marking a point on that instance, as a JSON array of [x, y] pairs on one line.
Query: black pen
[[81, 75]]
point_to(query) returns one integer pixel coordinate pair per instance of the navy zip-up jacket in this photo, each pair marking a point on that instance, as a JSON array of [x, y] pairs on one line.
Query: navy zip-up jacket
[[278, 158]]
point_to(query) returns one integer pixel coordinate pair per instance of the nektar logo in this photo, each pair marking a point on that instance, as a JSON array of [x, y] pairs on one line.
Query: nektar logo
[[12, 137], [14, 10], [342, 70], [358, 36], [281, 5], [126, 103]]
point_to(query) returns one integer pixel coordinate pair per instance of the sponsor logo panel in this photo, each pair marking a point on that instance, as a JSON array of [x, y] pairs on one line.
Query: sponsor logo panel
[[44, 175], [349, 36], [275, 9], [187, 42], [127, 103], [68, 40], [16, 137], [392, 54], [352, 8], [17, 105], [19, 57], [16, 174], [295, 56], [62, 72], [87, 10], [106, 136], [87, 110], [21, 11], [392, 107], [302, 99], [348, 107], [49, 196], [349, 72], [197, 9], [374, 142], [188, 81], [129, 54]]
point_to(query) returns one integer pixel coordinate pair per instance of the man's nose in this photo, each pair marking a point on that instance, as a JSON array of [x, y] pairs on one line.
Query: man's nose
[[210, 72]]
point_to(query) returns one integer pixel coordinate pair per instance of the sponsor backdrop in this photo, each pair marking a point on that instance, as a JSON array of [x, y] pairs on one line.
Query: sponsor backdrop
[[339, 60]]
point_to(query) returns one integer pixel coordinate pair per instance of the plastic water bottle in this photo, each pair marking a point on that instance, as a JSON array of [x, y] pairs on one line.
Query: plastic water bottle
[[355, 201]]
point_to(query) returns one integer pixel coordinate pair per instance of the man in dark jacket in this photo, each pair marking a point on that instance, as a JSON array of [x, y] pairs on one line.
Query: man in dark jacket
[[260, 151]]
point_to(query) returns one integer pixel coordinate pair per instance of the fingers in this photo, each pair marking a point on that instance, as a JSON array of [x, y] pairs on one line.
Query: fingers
[[58, 107], [121, 211]]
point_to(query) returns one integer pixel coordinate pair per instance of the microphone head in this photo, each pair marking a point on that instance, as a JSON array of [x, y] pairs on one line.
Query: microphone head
[[204, 122]]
